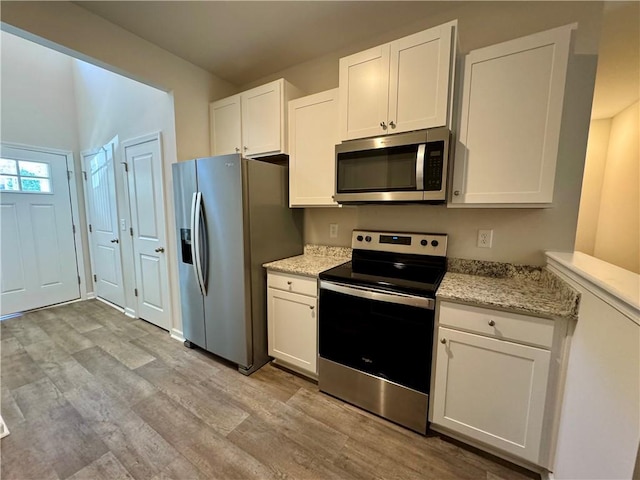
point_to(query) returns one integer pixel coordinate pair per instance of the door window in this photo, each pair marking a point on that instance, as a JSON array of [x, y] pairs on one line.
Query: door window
[[24, 176]]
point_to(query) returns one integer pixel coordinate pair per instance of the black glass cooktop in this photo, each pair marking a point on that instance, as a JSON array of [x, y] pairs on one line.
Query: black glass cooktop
[[414, 274]]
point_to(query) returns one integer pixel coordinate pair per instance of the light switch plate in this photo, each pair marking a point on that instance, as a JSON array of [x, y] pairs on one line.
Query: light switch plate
[[333, 230], [485, 238]]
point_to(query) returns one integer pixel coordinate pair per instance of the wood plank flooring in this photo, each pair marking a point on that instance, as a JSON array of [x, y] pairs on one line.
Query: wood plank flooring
[[88, 393]]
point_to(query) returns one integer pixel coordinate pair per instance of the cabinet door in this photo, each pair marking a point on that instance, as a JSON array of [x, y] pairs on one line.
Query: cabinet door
[[491, 390], [510, 120], [313, 135], [419, 80], [224, 116], [364, 92], [262, 119], [292, 325]]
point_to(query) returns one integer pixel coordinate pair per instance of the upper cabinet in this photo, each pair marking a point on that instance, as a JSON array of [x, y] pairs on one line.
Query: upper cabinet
[[399, 86], [254, 122], [313, 135], [510, 119]]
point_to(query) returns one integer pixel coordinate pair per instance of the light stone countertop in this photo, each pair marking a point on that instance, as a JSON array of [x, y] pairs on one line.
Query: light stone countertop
[[517, 288], [316, 259]]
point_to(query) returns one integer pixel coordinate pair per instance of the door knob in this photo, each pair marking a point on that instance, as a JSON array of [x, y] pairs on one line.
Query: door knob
[[456, 193], [491, 323], [237, 150], [391, 124], [311, 307], [383, 125], [443, 340], [114, 240], [160, 249]]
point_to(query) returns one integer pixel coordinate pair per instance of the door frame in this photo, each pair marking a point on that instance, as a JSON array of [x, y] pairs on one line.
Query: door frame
[[72, 174]]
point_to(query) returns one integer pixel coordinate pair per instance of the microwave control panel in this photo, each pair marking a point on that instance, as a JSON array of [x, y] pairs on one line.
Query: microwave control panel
[[433, 165]]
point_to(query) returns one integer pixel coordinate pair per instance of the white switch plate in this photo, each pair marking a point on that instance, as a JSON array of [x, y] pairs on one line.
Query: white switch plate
[[123, 224], [333, 230], [485, 238]]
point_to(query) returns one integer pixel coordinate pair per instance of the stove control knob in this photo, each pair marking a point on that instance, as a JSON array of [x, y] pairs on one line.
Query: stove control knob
[[424, 243], [434, 243], [367, 238], [359, 238]]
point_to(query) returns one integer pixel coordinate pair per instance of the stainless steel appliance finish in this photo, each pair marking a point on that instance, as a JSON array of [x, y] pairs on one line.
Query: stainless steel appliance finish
[[232, 216], [376, 324], [405, 167]]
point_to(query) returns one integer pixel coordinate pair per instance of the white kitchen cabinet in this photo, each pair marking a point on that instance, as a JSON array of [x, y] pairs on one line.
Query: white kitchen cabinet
[[510, 118], [489, 385], [313, 135], [399, 86], [254, 122], [292, 321]]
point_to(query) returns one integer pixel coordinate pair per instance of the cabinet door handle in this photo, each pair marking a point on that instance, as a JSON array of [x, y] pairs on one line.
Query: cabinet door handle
[[288, 282], [491, 323], [237, 150], [159, 250], [456, 193], [311, 307], [391, 124], [443, 341], [246, 148], [115, 240], [383, 125]]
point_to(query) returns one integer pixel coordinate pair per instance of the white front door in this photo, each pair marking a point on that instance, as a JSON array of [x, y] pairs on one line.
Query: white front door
[[144, 164], [38, 252], [104, 235]]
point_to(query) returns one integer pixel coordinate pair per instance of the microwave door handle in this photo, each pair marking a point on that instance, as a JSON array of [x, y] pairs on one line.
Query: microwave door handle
[[420, 167]]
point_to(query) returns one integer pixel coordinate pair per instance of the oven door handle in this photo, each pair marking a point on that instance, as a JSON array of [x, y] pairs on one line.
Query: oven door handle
[[379, 295]]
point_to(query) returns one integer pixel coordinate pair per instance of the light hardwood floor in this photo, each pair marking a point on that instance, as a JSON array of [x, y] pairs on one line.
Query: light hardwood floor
[[88, 393]]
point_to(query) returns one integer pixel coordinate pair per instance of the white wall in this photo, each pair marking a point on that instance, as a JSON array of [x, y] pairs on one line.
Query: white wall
[[618, 232], [38, 107], [609, 219], [113, 108], [89, 37]]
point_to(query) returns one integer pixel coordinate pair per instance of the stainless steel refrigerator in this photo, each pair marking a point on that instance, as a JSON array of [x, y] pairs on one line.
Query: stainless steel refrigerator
[[232, 215]]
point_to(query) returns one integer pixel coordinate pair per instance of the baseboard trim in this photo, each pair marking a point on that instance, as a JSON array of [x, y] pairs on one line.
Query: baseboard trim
[[546, 475], [130, 312], [90, 296], [176, 334]]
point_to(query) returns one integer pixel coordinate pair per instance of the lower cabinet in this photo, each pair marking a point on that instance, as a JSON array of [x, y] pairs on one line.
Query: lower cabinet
[[292, 321], [489, 386]]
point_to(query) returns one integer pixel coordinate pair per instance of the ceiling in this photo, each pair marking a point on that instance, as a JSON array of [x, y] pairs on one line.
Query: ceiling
[[274, 35]]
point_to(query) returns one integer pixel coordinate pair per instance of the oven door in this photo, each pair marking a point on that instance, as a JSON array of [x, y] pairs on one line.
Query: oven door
[[383, 334]]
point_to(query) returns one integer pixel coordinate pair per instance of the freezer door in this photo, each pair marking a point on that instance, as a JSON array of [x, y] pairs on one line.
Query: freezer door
[[191, 300], [226, 303]]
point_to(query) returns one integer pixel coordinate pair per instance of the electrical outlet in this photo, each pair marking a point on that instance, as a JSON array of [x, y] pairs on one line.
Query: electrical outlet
[[333, 230], [485, 238]]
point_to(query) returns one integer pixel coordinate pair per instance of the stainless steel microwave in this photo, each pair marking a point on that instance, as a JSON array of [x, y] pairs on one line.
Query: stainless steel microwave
[[405, 167]]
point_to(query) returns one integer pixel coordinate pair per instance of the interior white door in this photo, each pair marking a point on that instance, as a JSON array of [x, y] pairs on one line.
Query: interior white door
[[104, 235], [146, 199], [38, 254]]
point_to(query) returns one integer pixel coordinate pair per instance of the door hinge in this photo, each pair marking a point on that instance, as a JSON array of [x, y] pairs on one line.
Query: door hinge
[[69, 173], [135, 292], [84, 174], [131, 231], [79, 282], [126, 167], [95, 278], [90, 229], [73, 227]]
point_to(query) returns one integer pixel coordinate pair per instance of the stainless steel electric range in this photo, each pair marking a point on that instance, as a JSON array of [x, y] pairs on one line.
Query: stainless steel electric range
[[376, 322]]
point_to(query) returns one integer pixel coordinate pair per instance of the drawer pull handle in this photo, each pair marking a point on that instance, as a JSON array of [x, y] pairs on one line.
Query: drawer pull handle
[[443, 341], [491, 323]]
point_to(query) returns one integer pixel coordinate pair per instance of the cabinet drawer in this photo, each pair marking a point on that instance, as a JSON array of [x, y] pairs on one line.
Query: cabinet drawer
[[293, 283], [498, 324]]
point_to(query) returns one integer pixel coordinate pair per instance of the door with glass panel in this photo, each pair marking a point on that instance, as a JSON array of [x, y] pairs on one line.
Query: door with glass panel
[[104, 234], [38, 265]]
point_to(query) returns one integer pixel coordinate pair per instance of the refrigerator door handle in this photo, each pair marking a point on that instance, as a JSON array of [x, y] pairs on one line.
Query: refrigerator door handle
[[196, 248]]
